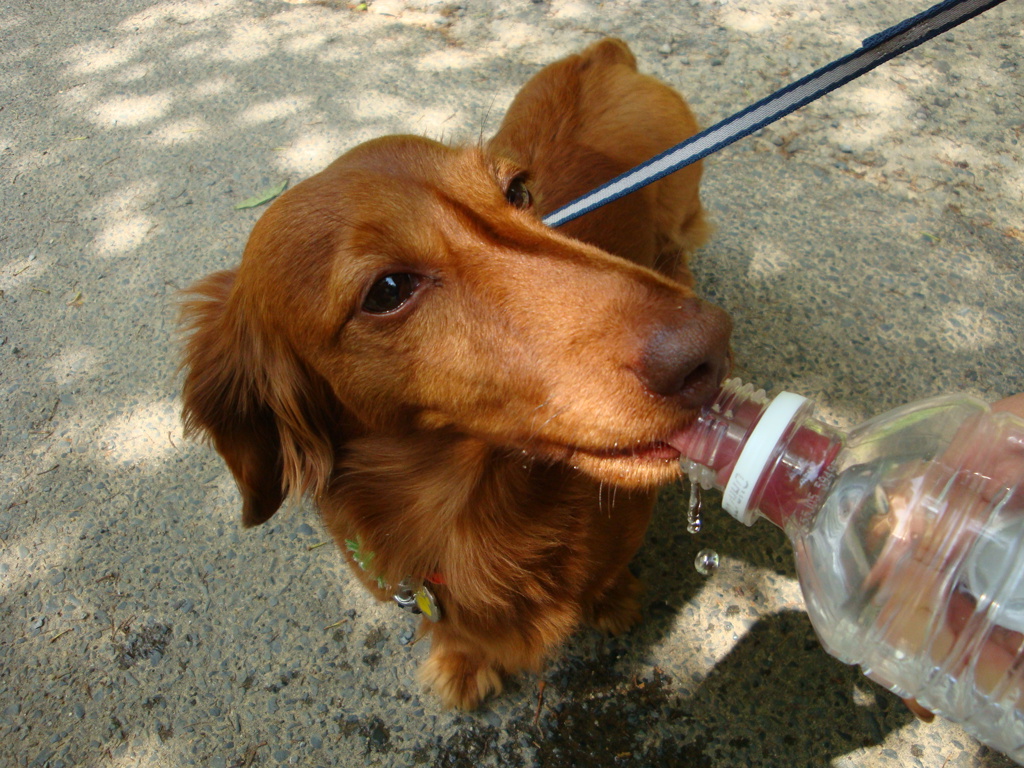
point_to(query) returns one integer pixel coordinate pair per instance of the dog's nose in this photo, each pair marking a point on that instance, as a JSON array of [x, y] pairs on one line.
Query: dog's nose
[[687, 355]]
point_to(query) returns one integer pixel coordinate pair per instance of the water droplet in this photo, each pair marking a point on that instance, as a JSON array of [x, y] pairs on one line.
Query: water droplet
[[706, 562], [693, 521]]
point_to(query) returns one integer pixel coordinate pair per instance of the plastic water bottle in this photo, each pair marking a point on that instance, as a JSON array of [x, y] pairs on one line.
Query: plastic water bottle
[[909, 539]]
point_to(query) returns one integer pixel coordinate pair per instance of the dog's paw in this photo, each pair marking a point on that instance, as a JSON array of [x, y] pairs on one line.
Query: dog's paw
[[460, 680], [619, 609]]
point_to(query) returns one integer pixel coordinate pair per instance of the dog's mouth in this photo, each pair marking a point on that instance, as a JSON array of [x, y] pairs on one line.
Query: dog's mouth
[[637, 465], [658, 451]]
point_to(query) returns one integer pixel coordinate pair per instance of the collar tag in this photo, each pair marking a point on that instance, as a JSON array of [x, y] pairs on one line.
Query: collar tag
[[416, 597]]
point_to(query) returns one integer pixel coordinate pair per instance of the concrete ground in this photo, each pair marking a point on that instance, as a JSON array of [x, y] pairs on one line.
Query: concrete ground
[[870, 249]]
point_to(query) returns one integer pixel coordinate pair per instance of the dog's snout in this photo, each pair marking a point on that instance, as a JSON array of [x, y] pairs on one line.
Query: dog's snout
[[687, 355]]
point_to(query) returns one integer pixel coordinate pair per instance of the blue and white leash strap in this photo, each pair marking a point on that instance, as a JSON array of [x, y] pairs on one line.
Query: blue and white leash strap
[[874, 51]]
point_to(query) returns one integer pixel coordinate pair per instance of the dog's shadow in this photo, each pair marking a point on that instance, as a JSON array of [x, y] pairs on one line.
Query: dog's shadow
[[775, 697]]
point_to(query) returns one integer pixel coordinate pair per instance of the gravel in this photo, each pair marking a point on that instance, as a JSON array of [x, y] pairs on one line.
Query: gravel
[[869, 248]]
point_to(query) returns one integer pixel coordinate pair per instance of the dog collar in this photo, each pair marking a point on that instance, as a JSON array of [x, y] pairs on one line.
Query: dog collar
[[411, 594]]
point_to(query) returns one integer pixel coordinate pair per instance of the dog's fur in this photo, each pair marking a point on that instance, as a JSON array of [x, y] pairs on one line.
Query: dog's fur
[[504, 426]]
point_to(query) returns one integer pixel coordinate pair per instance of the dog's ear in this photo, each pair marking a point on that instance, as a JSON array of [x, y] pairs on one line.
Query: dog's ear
[[254, 400]]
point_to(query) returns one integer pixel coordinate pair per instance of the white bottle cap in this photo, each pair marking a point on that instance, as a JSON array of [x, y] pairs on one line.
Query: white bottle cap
[[756, 453]]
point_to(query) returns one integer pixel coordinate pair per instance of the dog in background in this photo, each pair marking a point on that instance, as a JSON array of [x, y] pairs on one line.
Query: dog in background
[[478, 404]]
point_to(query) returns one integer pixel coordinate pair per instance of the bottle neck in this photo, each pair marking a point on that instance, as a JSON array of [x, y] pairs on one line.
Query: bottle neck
[[793, 487], [769, 457]]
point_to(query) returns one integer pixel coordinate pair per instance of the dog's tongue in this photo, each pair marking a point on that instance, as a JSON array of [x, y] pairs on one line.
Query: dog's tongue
[[685, 440], [715, 439]]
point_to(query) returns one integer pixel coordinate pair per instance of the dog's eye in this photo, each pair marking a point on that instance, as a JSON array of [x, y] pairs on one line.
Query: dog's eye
[[390, 292], [518, 194]]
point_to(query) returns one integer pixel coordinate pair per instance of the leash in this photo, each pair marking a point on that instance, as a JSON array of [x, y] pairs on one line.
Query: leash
[[875, 50]]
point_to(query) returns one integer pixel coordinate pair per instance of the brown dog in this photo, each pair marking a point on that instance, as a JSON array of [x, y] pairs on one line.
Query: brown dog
[[477, 403]]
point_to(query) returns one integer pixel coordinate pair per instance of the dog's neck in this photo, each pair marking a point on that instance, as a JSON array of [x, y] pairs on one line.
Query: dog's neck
[[441, 476], [410, 498]]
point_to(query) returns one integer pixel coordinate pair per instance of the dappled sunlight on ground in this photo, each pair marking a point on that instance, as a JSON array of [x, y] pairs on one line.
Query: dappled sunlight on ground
[[750, 22], [95, 58], [21, 273], [314, 151], [130, 111], [274, 110], [74, 362], [144, 436], [124, 225], [157, 15], [186, 130], [909, 123]]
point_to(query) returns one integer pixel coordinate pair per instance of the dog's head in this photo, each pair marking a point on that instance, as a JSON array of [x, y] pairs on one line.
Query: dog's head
[[411, 287]]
